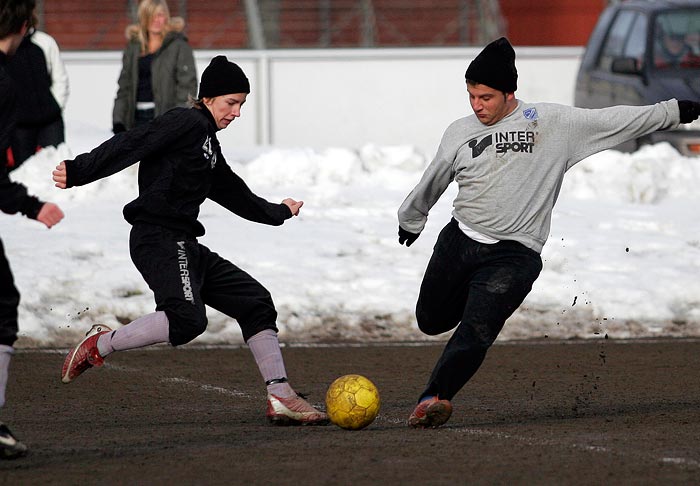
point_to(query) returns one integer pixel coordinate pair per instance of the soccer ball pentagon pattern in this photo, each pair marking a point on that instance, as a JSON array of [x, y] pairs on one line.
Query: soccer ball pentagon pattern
[[352, 402]]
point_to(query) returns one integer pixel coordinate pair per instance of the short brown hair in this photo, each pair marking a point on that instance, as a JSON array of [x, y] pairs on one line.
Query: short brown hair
[[14, 14]]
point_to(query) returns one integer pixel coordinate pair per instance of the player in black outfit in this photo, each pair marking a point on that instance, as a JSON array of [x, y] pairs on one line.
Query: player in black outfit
[[181, 165], [15, 20]]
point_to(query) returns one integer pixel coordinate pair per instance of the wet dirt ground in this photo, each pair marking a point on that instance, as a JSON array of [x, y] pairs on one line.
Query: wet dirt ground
[[590, 412]]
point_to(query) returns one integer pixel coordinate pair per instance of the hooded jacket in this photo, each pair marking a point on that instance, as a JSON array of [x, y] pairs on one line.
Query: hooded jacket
[[173, 74]]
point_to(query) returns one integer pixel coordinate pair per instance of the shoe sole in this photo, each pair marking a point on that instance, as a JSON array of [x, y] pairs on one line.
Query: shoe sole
[[283, 420], [65, 378]]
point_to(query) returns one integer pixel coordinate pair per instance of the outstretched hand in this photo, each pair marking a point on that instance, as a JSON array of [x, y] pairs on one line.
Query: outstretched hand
[[49, 214], [407, 237], [690, 110], [60, 176], [294, 206]]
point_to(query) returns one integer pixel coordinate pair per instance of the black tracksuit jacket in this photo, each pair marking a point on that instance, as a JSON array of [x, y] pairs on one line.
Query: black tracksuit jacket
[[13, 195], [181, 165]]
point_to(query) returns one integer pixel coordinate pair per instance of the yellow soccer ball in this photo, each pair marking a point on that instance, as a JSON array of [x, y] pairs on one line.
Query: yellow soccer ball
[[352, 402]]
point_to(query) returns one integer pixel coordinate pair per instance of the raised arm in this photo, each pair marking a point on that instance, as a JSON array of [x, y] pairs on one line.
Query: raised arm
[[125, 149], [604, 128]]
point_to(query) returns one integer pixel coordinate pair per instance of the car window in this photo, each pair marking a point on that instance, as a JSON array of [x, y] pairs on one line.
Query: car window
[[617, 36], [637, 40], [677, 39]]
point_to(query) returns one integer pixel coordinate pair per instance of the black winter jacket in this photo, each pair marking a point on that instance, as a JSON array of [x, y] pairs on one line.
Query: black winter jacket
[[181, 165], [13, 195], [29, 70]]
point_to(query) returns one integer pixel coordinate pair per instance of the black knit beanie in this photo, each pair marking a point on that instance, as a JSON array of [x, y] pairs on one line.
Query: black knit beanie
[[495, 67], [222, 77]]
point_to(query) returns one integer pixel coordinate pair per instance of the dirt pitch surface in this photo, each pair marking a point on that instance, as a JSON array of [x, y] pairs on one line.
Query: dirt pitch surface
[[601, 412]]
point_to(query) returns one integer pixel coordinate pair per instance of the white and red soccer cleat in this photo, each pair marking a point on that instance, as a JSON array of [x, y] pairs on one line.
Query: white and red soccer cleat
[[293, 411], [431, 412], [85, 355]]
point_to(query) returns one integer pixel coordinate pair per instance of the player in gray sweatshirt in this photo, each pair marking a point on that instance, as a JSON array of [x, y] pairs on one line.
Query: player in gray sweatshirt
[[508, 160]]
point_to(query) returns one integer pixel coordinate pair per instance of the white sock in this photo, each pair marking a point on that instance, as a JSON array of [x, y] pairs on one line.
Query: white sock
[[267, 353], [144, 331], [6, 353]]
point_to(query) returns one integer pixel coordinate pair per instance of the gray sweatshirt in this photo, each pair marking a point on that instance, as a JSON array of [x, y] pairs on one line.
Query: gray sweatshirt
[[509, 174]]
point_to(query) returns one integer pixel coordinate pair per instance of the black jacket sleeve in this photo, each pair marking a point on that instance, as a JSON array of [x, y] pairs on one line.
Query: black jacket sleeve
[[15, 199], [126, 148], [231, 192]]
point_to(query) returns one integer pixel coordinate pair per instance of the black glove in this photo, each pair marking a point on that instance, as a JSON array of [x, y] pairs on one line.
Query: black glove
[[118, 128], [690, 110], [407, 237]]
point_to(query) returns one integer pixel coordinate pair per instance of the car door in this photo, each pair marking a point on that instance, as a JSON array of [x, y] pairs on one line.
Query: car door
[[625, 38]]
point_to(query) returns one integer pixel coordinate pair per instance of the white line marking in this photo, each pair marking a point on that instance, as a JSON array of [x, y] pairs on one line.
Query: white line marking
[[677, 461], [681, 461], [121, 367], [209, 388]]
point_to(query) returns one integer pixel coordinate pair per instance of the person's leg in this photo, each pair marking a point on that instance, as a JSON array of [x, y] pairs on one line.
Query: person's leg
[[10, 447], [171, 268], [235, 293], [174, 267], [9, 302], [266, 351], [445, 286], [505, 277], [6, 353], [443, 296], [145, 331]]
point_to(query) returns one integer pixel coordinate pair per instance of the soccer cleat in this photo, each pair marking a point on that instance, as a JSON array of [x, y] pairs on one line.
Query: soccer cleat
[[431, 412], [10, 447], [293, 411], [85, 355]]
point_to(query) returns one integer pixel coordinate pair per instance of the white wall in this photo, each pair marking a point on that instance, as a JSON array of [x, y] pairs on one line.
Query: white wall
[[340, 98]]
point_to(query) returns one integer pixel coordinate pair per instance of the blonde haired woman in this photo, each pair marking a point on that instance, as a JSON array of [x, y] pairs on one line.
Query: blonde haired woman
[[158, 69]]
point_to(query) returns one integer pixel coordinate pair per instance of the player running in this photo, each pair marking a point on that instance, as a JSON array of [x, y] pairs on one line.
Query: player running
[[181, 165], [509, 160]]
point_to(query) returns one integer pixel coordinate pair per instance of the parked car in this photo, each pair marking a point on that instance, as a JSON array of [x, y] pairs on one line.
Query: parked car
[[642, 52]]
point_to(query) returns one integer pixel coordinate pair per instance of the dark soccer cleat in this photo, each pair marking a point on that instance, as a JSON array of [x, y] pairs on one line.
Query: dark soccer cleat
[[85, 355], [431, 412], [293, 411], [10, 447]]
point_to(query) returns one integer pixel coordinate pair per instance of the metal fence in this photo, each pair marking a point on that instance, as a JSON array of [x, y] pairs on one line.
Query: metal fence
[[270, 24]]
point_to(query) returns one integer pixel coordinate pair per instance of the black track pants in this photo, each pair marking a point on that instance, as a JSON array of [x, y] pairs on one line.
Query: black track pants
[[9, 301], [474, 287], [185, 276]]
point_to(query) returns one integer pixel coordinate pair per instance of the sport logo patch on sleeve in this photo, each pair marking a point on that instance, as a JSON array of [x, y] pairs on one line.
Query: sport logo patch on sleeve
[[530, 113], [208, 151]]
